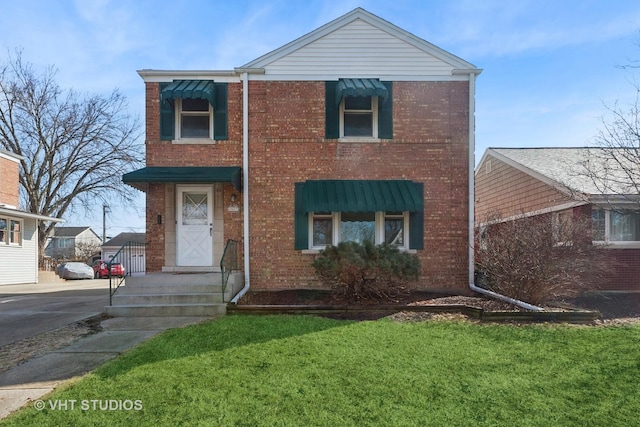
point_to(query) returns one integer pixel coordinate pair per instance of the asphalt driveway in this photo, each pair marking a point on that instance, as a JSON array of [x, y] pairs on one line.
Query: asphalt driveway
[[29, 310]]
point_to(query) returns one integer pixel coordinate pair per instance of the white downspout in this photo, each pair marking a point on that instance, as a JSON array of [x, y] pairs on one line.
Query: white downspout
[[472, 164], [245, 184]]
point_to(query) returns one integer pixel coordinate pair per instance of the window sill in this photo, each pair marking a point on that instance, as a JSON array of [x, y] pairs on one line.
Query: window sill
[[317, 251], [364, 139], [193, 141], [618, 245]]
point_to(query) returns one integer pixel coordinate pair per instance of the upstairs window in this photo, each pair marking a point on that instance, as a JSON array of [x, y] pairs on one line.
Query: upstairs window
[[358, 108], [193, 111], [194, 118]]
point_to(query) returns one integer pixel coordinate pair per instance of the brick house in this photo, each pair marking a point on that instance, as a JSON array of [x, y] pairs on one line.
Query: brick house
[[18, 229], [513, 182], [357, 130]]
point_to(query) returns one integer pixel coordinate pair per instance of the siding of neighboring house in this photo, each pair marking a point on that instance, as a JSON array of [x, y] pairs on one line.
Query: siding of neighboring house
[[501, 188], [19, 264]]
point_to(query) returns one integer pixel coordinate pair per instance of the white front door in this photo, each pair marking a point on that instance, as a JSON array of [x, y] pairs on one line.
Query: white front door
[[194, 231]]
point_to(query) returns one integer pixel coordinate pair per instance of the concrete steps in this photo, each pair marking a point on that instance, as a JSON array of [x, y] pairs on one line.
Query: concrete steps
[[170, 295]]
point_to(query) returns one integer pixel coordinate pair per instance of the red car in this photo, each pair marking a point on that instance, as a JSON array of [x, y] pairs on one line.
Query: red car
[[100, 269]]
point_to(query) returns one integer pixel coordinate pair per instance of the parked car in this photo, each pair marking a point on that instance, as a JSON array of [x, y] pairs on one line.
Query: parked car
[[101, 269], [75, 271]]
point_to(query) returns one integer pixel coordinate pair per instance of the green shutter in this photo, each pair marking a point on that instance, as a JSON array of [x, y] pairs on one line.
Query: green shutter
[[385, 114], [416, 223], [167, 117], [220, 113], [332, 116], [301, 219]]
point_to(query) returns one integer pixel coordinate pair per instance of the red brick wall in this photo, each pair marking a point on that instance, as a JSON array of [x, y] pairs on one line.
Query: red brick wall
[[9, 186], [624, 270], [287, 145]]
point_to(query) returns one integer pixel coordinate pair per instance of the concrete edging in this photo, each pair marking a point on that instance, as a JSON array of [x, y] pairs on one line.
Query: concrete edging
[[473, 312]]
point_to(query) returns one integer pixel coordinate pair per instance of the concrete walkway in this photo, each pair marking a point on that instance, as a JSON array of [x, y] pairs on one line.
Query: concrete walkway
[[32, 380]]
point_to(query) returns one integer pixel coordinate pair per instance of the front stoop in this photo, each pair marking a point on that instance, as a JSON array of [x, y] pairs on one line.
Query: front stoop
[[167, 294]]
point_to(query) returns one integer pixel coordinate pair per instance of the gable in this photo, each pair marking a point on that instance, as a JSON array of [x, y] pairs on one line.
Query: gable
[[501, 188], [359, 44]]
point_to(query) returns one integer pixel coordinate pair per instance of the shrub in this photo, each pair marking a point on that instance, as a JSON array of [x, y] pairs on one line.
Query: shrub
[[540, 258], [366, 271]]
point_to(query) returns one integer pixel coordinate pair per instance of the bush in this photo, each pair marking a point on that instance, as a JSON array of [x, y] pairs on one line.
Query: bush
[[539, 259], [365, 271]]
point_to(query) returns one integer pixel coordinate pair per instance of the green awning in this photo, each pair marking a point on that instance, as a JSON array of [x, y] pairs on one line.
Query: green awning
[[190, 89], [360, 87], [362, 196], [183, 175]]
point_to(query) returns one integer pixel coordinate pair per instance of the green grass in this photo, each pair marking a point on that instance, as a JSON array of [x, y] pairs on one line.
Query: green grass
[[308, 371]]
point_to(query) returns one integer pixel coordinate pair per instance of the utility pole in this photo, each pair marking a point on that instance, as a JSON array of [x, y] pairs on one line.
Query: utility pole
[[105, 208]]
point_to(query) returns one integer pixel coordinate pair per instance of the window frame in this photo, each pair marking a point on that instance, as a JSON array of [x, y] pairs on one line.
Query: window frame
[[374, 119], [608, 226], [179, 114], [380, 217], [7, 234]]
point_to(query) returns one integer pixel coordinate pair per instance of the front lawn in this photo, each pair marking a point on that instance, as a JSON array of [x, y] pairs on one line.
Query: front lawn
[[310, 371]]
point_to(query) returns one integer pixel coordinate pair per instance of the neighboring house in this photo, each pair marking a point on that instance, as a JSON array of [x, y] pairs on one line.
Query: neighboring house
[[513, 182], [73, 243], [18, 229], [130, 251], [357, 130]]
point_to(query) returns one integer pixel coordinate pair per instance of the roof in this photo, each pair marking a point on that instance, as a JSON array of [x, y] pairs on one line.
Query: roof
[[23, 214], [568, 168], [123, 238], [69, 231]]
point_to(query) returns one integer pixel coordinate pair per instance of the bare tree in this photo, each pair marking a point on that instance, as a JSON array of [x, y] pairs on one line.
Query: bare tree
[[540, 258], [74, 148]]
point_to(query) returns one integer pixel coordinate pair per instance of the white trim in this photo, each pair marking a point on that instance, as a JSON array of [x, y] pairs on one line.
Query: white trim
[[345, 74], [178, 115], [552, 209], [167, 76], [10, 156], [21, 214]]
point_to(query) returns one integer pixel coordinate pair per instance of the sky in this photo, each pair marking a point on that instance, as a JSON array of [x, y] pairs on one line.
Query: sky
[[551, 69]]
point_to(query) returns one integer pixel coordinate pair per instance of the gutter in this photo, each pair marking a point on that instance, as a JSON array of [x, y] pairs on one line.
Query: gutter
[[245, 184], [472, 149]]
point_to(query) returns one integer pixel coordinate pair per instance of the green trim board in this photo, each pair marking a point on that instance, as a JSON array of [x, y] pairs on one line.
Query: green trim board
[[185, 174]]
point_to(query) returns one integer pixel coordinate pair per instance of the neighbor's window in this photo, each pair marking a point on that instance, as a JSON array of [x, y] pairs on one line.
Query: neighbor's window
[[359, 116], [10, 231], [195, 118], [15, 237], [620, 225], [3, 231]]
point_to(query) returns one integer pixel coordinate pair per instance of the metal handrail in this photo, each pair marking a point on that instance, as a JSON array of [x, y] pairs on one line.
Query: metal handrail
[[228, 262], [132, 257]]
